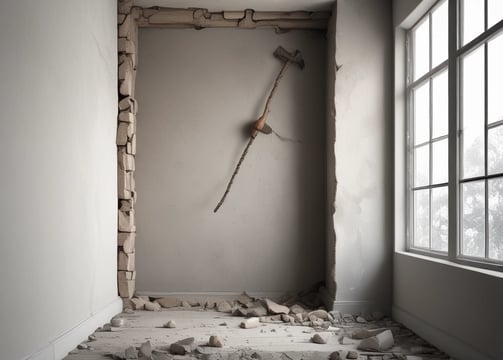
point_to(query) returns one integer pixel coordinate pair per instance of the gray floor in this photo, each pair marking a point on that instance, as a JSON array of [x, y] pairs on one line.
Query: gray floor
[[268, 341]]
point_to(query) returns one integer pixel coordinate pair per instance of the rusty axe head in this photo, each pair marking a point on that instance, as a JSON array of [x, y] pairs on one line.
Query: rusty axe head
[[284, 55]]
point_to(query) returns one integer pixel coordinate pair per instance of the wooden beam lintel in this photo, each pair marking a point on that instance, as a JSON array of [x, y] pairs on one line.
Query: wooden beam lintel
[[246, 19]]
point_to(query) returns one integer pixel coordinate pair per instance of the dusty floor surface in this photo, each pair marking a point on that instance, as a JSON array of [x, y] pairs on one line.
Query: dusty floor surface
[[268, 341]]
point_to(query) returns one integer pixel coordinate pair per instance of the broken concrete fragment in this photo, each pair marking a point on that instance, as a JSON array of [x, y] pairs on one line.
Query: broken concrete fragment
[[297, 309], [250, 323], [82, 346], [361, 320], [138, 304], [285, 318], [224, 307], [186, 305], [215, 341], [182, 347], [131, 353], [152, 306], [168, 302], [145, 350], [171, 324], [348, 318], [91, 337], [361, 333], [256, 310], [320, 314], [298, 318], [381, 342], [118, 322], [319, 338], [275, 308]]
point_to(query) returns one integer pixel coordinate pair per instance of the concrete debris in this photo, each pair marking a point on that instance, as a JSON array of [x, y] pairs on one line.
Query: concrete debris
[[91, 337], [105, 328], [224, 307], [320, 314], [171, 324], [343, 355], [320, 338], [256, 309], [250, 323], [380, 342], [152, 306], [138, 304], [82, 346], [118, 322], [145, 350], [215, 341], [361, 320], [182, 347], [362, 333], [186, 305], [275, 308], [128, 311], [348, 318], [131, 353], [168, 302], [298, 318]]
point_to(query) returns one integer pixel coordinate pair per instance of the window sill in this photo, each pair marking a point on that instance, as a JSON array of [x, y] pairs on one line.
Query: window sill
[[493, 273]]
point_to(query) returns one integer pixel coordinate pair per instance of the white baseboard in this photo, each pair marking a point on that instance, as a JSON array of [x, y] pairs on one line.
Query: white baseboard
[[58, 348], [360, 306], [453, 346]]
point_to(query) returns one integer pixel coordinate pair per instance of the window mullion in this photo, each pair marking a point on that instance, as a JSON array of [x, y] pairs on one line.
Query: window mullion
[[453, 150], [486, 138]]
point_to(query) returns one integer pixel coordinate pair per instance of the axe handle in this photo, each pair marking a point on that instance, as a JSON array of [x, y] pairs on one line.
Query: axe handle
[[259, 124]]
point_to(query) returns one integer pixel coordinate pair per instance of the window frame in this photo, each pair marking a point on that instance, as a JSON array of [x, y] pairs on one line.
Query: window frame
[[452, 64]]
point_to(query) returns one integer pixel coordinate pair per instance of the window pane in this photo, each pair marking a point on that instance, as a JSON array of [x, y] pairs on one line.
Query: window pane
[[494, 12], [473, 237], [422, 113], [496, 219], [440, 105], [495, 79], [439, 34], [422, 218], [421, 41], [439, 218], [422, 166], [472, 19], [440, 162], [473, 113], [495, 150]]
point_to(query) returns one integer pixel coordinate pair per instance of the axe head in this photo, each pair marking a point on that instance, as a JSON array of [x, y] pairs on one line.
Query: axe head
[[295, 57]]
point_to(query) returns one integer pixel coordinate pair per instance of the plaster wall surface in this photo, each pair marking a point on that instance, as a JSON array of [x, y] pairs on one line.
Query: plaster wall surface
[[363, 155], [451, 306], [198, 92], [58, 95]]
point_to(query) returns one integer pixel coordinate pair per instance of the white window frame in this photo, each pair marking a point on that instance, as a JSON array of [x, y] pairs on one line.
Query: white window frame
[[455, 53]]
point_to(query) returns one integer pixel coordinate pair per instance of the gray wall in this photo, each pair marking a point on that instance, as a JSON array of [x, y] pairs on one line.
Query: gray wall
[[363, 155], [452, 306], [197, 93], [58, 184]]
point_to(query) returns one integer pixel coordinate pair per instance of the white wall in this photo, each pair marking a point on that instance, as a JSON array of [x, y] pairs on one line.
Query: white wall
[[455, 307], [198, 91], [58, 205], [363, 155]]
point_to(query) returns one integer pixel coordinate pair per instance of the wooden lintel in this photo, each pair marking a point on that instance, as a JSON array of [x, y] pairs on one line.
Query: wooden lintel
[[247, 19]]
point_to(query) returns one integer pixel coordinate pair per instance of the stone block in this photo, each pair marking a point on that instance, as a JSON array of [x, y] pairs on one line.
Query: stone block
[[124, 6], [125, 275], [125, 160], [123, 184], [126, 205], [126, 288], [125, 28], [127, 117], [126, 87], [126, 67], [127, 241], [122, 134], [126, 261], [126, 221], [126, 46]]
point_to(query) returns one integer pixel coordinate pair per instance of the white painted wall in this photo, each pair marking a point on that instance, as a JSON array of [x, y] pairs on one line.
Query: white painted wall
[[363, 155], [455, 307], [198, 91], [58, 101]]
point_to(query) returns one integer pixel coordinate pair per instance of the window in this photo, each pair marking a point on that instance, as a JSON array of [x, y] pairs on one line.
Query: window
[[455, 132]]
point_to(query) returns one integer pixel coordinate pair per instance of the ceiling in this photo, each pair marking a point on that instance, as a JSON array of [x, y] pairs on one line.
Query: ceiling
[[258, 5]]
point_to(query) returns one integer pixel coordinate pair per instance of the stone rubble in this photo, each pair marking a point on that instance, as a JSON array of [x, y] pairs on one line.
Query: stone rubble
[[171, 324], [215, 341]]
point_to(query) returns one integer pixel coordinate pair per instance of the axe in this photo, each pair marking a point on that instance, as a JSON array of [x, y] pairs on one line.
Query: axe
[[260, 125]]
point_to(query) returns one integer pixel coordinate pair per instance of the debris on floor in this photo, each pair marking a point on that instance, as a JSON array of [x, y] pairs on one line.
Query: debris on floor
[[292, 328]]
